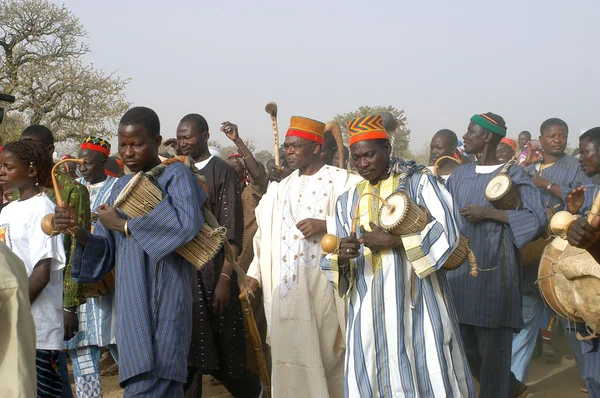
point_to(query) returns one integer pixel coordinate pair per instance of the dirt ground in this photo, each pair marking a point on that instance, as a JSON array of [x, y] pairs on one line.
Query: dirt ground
[[548, 378]]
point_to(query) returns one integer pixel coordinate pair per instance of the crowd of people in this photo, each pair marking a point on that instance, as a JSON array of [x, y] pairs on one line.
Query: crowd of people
[[386, 313]]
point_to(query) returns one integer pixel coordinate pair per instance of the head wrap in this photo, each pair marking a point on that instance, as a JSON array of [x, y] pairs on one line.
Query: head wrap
[[309, 129], [238, 156], [510, 142], [96, 144], [214, 151], [366, 128], [489, 124]]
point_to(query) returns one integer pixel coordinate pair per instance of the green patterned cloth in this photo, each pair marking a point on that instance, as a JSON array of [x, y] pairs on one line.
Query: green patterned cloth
[[76, 196]]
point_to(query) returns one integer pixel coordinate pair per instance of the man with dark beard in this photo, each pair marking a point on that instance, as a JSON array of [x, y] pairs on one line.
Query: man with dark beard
[[218, 342]]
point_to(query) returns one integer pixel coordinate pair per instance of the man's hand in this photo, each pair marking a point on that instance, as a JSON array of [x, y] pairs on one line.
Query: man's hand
[[222, 296], [349, 248], [582, 234], [539, 181], [71, 323], [312, 227], [110, 218], [230, 130], [575, 200], [474, 213], [64, 218], [378, 240], [252, 285]]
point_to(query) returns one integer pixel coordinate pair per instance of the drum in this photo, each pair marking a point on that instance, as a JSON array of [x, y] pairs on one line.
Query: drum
[[502, 194], [401, 216], [141, 195], [531, 253], [459, 255], [554, 286], [582, 289]]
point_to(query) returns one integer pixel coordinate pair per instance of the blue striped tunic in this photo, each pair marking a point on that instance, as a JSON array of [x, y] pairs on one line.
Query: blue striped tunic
[[397, 344], [153, 283], [566, 173], [493, 298]]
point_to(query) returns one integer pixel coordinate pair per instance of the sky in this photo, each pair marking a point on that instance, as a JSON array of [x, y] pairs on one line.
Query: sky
[[440, 61]]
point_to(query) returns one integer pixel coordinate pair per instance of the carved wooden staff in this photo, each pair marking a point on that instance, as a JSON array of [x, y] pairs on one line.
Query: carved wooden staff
[[256, 341], [271, 109], [48, 220]]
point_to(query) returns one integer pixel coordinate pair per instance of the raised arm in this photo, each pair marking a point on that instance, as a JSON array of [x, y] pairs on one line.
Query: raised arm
[[258, 174]]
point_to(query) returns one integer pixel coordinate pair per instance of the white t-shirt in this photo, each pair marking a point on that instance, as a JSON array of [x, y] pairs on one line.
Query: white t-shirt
[[20, 229], [202, 164]]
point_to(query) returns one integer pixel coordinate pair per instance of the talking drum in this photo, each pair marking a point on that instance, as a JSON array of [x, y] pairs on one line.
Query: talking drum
[[459, 255], [502, 194], [531, 253], [401, 216], [141, 195]]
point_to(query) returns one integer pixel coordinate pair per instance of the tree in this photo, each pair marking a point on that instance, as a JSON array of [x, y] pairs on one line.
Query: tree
[[397, 128], [11, 127], [42, 46]]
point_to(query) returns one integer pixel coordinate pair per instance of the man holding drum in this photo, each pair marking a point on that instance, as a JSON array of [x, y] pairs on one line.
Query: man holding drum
[[154, 283], [489, 305], [402, 332], [305, 319], [583, 235]]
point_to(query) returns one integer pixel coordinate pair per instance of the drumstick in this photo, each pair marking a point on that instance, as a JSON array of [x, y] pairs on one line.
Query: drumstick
[[256, 340], [271, 109], [357, 215], [435, 165]]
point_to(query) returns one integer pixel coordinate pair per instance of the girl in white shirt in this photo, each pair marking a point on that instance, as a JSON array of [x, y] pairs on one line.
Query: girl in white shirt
[[25, 165]]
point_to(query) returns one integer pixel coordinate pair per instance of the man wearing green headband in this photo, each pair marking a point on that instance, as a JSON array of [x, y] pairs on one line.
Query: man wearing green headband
[[489, 304]]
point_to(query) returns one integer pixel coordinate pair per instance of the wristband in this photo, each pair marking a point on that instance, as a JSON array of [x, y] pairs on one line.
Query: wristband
[[69, 311], [126, 230], [226, 276], [549, 186]]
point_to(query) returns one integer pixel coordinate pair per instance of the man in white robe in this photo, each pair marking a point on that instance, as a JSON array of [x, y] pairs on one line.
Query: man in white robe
[[305, 318]]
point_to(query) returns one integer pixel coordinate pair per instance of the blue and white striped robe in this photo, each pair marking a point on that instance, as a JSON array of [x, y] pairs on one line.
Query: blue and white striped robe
[[153, 283], [393, 349], [493, 299]]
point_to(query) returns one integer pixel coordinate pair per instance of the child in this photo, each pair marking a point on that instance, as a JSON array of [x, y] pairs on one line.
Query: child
[[25, 165]]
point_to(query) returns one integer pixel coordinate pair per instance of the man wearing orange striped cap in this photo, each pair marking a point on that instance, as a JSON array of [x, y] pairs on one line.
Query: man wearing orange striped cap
[[305, 319], [402, 331]]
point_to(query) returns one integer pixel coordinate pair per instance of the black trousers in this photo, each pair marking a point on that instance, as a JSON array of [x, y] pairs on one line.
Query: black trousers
[[488, 352]]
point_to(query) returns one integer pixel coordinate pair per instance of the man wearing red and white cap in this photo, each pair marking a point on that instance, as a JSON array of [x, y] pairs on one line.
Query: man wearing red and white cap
[[306, 319]]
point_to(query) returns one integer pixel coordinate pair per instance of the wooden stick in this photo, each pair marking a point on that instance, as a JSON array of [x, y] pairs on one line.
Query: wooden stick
[[256, 340], [336, 132], [271, 109]]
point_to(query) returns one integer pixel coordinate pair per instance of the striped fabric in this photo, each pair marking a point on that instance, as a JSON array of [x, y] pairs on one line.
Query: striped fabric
[[49, 383], [493, 298], [591, 366], [153, 283], [567, 173], [397, 345]]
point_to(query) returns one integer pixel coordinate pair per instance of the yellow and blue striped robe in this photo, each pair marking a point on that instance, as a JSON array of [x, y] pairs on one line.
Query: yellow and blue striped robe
[[153, 283], [397, 345]]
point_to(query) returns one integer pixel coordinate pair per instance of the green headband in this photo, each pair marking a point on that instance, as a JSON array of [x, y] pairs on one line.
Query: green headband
[[486, 124]]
